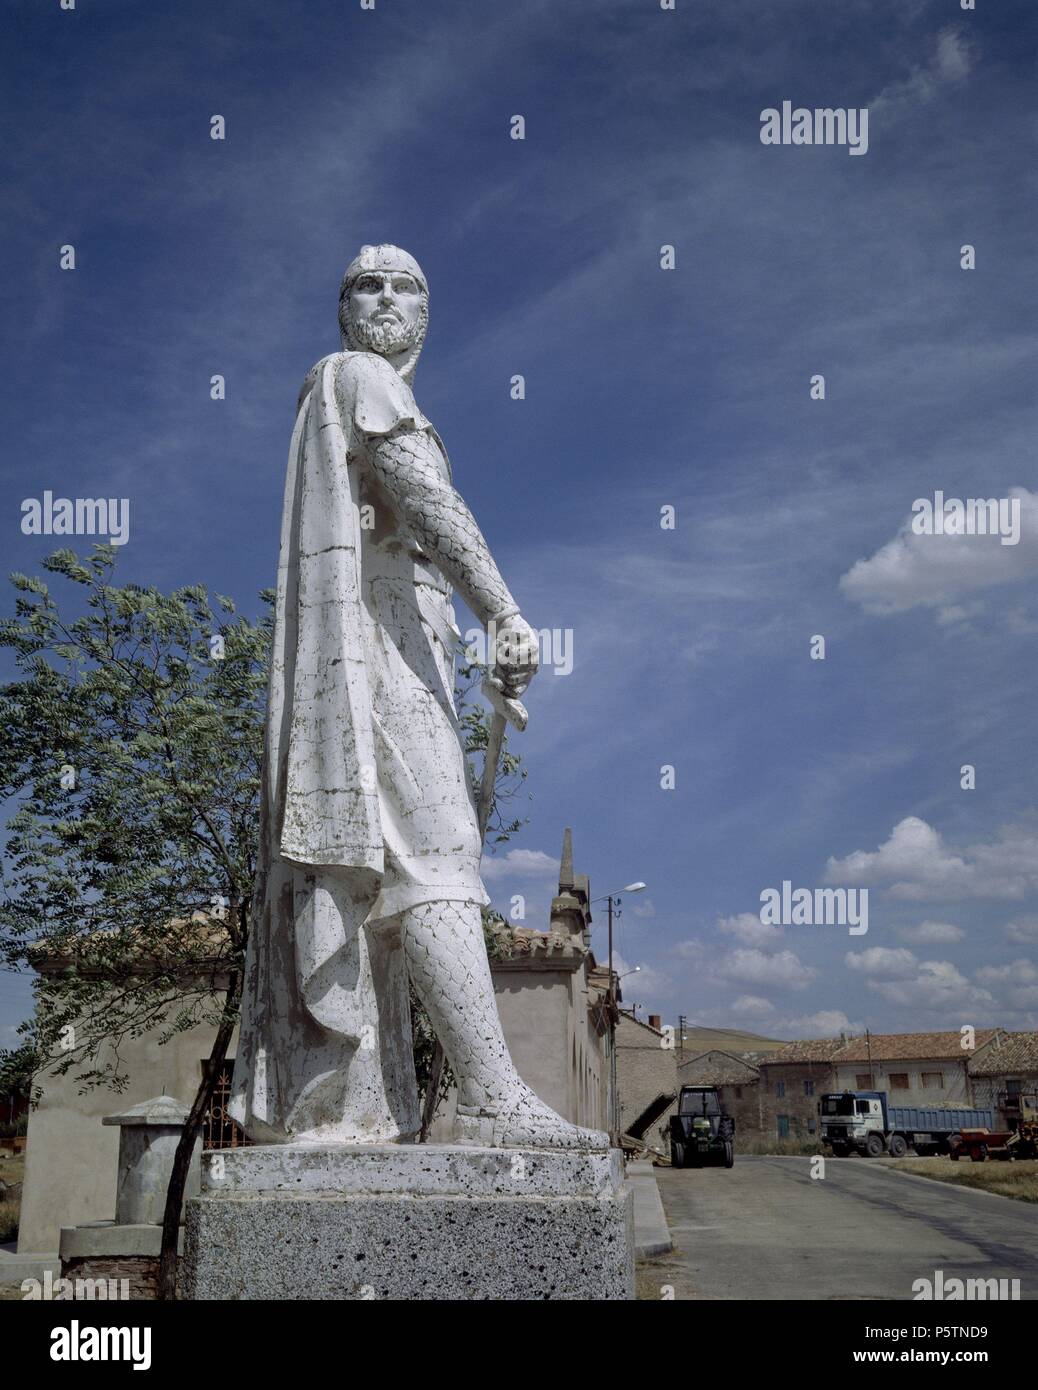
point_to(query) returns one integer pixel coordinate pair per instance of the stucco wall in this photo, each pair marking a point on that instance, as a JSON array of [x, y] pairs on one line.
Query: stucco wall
[[535, 1016], [955, 1091]]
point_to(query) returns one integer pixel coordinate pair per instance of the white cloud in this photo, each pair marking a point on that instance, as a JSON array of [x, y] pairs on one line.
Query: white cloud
[[760, 960], [1023, 972], [746, 966], [826, 1023], [937, 986], [954, 55], [916, 864], [897, 962], [1015, 985], [913, 571], [951, 62], [931, 933], [953, 613], [748, 929], [781, 970], [1023, 929], [752, 1005], [519, 863]]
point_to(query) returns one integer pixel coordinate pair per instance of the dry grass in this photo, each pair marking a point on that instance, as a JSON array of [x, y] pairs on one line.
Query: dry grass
[[9, 1214], [12, 1171], [1018, 1179]]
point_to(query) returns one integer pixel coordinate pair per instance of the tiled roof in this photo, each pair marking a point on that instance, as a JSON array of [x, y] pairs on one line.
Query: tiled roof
[[881, 1047], [906, 1047], [806, 1050], [755, 1058], [1017, 1052], [199, 941], [526, 941]]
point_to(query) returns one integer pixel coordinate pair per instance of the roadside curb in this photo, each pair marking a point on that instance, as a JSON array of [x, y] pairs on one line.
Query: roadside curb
[[651, 1232]]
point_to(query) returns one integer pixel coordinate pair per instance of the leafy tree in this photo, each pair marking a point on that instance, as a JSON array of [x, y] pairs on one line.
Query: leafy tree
[[133, 744]]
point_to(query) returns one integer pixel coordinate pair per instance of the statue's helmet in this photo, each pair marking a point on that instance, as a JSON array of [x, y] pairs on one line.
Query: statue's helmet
[[382, 259]]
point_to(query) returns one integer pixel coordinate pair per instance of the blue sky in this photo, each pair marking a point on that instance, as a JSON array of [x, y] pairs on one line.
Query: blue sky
[[644, 388]]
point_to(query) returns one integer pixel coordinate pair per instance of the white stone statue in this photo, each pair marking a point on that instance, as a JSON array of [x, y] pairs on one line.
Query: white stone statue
[[369, 862]]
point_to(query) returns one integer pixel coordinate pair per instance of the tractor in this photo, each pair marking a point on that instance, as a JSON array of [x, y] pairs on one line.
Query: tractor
[[701, 1133]]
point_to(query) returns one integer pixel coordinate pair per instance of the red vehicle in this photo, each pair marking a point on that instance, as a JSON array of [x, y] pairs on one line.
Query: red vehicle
[[1019, 1141]]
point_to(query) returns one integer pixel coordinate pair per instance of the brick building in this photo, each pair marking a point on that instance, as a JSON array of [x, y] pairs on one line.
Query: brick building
[[1001, 1074], [736, 1077], [646, 1067], [792, 1079]]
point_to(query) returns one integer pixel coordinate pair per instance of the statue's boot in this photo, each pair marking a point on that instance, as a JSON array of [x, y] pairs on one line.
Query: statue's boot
[[447, 961]]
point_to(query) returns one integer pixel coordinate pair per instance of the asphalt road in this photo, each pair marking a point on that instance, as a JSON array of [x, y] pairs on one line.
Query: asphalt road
[[766, 1230]]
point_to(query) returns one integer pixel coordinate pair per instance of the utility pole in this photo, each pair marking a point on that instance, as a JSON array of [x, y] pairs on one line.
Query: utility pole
[[614, 1109]]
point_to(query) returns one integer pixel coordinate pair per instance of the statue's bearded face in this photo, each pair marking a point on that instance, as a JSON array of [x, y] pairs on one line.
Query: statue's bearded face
[[386, 312]]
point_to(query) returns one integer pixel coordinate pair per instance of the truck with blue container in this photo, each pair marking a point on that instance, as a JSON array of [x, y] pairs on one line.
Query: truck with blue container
[[863, 1122]]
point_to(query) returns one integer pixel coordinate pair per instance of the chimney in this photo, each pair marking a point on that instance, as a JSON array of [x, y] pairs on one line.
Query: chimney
[[654, 1022]]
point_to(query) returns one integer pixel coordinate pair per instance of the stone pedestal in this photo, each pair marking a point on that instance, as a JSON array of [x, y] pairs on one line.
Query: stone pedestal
[[123, 1254], [148, 1137], [423, 1221]]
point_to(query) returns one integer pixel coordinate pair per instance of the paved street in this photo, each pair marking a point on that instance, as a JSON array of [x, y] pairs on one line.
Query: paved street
[[766, 1230]]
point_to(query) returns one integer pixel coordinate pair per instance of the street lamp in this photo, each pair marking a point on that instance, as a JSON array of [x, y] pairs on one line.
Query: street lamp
[[611, 898]]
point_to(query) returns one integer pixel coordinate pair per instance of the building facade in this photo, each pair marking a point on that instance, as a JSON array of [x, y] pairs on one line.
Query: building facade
[[792, 1080], [646, 1067], [914, 1068]]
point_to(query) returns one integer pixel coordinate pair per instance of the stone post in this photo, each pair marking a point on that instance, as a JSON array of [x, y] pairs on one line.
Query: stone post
[[148, 1138], [123, 1254]]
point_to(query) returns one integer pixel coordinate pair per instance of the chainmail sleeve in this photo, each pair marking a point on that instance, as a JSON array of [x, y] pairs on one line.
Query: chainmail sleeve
[[408, 465]]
